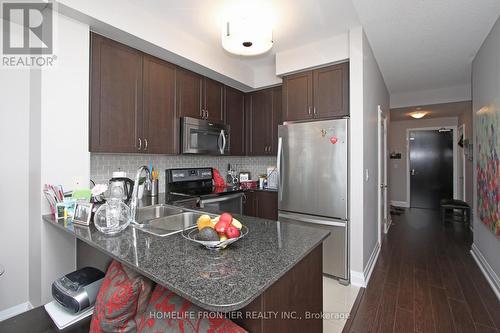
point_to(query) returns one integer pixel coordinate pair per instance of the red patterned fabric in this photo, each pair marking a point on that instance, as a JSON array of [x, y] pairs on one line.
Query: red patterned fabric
[[121, 301], [168, 312]]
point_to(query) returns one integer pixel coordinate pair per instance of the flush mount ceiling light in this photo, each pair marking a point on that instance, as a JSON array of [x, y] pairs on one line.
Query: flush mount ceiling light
[[418, 114], [248, 34]]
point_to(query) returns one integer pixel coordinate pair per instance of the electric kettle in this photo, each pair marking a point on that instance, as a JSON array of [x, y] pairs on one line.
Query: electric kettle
[[120, 180]]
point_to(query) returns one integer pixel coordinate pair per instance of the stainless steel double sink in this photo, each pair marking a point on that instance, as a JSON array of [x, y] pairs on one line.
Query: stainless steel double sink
[[164, 220]]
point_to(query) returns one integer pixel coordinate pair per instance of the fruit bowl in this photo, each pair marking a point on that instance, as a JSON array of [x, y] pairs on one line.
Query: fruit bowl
[[192, 235]]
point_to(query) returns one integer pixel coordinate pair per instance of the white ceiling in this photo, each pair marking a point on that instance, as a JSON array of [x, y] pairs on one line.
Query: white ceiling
[[454, 109], [296, 22], [426, 44]]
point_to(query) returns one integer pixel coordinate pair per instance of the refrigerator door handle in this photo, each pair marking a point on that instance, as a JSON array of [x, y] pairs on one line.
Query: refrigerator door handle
[[280, 168], [313, 220]]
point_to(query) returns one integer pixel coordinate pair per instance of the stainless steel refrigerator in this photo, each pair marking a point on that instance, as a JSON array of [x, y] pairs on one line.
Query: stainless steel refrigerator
[[313, 185]]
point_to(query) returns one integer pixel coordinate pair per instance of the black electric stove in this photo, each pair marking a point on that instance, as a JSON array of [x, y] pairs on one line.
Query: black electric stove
[[199, 182]]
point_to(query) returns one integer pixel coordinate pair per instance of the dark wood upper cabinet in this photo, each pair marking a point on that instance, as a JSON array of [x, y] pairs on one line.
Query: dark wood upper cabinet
[[263, 110], [259, 114], [331, 91], [213, 97], [235, 118], [160, 128], [116, 97], [188, 93], [298, 96], [318, 94], [276, 119]]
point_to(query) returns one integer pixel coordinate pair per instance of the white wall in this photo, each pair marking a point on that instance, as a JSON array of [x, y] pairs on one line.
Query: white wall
[[318, 53], [14, 117], [59, 151], [431, 96], [356, 197], [375, 93], [397, 168], [486, 92], [367, 91], [124, 22]]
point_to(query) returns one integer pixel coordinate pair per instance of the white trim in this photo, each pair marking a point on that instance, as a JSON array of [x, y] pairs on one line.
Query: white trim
[[461, 129], [403, 204], [488, 272], [361, 279], [370, 265], [388, 224], [15, 310], [382, 173], [358, 279], [455, 153]]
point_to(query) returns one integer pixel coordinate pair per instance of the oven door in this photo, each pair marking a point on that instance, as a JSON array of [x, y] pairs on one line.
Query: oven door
[[203, 137], [231, 203]]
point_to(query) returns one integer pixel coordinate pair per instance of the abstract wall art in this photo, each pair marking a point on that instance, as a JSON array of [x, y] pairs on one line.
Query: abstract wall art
[[488, 166]]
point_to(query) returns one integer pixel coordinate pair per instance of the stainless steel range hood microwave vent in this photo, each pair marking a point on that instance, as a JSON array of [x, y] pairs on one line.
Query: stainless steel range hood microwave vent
[[203, 137]]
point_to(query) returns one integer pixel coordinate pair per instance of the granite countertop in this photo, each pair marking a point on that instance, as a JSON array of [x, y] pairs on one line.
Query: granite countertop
[[222, 281]]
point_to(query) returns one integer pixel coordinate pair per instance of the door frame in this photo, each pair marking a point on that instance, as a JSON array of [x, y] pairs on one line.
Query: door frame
[[383, 220], [464, 161], [455, 160]]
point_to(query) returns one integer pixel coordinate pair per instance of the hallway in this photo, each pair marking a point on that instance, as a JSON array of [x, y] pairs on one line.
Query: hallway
[[425, 280]]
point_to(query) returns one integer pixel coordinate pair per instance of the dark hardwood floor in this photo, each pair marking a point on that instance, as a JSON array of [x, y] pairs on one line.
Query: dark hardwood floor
[[426, 280]]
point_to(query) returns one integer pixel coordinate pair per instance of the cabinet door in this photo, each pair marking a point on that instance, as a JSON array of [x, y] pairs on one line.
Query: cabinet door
[[213, 93], [160, 130], [276, 120], [267, 205], [116, 97], [235, 118], [331, 91], [189, 93], [260, 116], [297, 96], [249, 203]]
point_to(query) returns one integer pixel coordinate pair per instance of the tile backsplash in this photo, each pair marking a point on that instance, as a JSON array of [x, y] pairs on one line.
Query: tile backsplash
[[103, 165]]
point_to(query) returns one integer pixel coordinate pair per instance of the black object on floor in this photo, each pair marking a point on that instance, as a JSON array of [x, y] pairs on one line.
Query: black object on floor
[[37, 320], [449, 208]]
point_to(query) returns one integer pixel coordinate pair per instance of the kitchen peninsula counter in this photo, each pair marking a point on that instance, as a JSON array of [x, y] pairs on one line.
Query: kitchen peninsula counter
[[221, 281]]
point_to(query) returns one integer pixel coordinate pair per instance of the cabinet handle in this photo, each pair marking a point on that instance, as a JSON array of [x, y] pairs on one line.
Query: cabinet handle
[[145, 144], [314, 110], [309, 110], [207, 114], [140, 144]]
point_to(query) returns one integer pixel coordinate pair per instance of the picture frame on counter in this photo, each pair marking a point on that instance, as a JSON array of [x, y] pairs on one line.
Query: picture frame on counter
[[83, 213]]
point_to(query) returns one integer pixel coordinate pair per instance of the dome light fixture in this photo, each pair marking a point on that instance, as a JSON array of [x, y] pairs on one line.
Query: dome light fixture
[[248, 35], [418, 115]]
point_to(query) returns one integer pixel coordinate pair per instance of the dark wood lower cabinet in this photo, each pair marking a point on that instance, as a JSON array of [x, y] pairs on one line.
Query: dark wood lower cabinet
[[261, 204], [297, 295]]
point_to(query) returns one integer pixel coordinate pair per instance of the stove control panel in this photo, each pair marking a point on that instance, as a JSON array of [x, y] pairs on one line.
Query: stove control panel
[[184, 175]]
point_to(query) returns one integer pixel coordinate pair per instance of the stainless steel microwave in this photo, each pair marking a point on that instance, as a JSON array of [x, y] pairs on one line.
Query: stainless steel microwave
[[204, 137]]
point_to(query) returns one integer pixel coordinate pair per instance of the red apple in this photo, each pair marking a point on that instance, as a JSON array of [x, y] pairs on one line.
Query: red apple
[[224, 222], [232, 232]]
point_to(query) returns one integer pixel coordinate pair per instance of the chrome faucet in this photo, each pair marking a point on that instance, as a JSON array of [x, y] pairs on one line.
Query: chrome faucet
[[133, 202]]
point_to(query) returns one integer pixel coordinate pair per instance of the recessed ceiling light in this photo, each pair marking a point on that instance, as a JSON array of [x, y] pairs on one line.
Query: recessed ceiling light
[[418, 115]]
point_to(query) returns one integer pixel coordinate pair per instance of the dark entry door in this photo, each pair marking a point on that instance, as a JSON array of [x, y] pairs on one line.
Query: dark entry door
[[431, 168]]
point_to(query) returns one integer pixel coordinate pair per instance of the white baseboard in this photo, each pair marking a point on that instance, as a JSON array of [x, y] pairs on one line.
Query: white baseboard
[[403, 204], [387, 225], [358, 279], [15, 310], [370, 265], [361, 279], [488, 272]]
